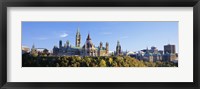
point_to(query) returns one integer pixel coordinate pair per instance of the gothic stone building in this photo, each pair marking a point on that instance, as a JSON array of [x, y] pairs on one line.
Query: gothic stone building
[[88, 49]]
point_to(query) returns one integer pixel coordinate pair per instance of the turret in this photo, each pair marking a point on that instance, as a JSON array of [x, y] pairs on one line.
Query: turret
[[100, 45], [33, 46], [107, 47]]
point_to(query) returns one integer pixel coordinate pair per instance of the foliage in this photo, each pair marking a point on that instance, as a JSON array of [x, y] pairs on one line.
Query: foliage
[[44, 60], [102, 63]]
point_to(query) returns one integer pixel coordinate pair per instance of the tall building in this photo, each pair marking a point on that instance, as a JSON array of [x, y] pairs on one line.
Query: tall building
[[118, 48], [169, 53], [169, 49], [60, 44], [107, 48], [78, 38]]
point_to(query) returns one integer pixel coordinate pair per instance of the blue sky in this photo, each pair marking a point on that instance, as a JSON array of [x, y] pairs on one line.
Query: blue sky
[[133, 36]]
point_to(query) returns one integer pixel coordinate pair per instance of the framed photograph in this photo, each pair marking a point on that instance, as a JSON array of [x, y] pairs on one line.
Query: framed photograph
[[99, 44]]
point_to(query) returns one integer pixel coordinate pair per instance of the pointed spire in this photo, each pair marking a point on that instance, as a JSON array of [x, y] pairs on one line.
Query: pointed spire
[[118, 43], [78, 32], [147, 51], [100, 45], [33, 46], [88, 37], [107, 43]]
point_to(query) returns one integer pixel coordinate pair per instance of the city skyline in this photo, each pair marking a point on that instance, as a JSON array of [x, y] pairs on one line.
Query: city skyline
[[133, 36]]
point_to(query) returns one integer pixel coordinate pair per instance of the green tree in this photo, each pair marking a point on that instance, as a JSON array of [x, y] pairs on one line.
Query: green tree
[[102, 63], [34, 54], [110, 61]]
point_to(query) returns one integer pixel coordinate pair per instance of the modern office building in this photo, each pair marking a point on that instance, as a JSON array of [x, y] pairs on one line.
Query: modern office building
[[169, 49]]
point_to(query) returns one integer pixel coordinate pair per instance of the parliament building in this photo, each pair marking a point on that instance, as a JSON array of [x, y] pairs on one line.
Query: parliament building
[[88, 49]]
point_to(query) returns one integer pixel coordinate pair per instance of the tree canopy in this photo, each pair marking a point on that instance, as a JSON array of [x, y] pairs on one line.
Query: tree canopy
[[29, 60]]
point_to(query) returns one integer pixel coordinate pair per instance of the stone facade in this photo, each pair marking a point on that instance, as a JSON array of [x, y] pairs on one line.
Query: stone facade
[[88, 49]]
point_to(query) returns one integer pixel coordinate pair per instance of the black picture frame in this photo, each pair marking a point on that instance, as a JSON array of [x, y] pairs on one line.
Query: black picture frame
[[98, 3]]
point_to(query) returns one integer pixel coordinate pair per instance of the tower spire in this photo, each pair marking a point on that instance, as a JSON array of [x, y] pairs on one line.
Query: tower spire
[[118, 48], [33, 46], [118, 42], [88, 37], [78, 38], [78, 31]]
